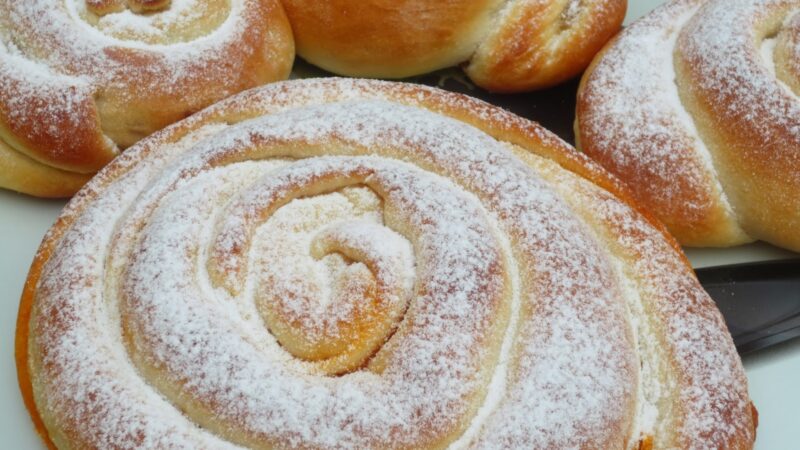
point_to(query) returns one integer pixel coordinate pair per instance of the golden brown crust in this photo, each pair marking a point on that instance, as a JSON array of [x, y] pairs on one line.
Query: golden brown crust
[[36, 127], [706, 222], [756, 159], [103, 7], [521, 55], [148, 5], [22, 174], [385, 38], [629, 227], [508, 46], [22, 337], [685, 107], [71, 98]]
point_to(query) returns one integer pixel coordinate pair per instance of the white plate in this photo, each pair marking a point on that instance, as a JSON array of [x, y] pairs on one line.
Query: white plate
[[23, 222]]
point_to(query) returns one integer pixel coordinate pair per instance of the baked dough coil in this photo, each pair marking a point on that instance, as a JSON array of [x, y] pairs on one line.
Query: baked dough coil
[[505, 45], [360, 264], [82, 79], [695, 106]]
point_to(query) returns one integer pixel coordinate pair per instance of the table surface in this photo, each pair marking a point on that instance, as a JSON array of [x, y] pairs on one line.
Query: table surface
[[772, 373]]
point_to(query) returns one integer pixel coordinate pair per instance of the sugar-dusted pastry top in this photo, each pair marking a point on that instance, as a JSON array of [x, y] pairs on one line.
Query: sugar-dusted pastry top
[[505, 45], [82, 79], [353, 264], [695, 106]]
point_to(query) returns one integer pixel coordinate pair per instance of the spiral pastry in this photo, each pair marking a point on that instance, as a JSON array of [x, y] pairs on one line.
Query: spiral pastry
[[695, 107], [354, 264], [82, 79], [505, 46]]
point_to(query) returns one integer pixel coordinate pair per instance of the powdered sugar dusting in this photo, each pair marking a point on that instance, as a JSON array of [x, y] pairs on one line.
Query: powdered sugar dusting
[[688, 108], [23, 85], [752, 115], [493, 246], [121, 81], [672, 370], [636, 125], [715, 40], [42, 24]]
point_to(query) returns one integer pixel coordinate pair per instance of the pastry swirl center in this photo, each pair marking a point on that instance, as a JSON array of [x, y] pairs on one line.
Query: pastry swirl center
[[334, 281], [103, 7], [155, 21]]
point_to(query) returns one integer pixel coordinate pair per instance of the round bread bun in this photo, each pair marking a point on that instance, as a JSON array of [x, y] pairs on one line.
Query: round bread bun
[[696, 107], [505, 46], [81, 80], [342, 263]]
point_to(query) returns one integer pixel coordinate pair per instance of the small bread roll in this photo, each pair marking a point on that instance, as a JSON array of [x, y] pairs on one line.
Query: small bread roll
[[505, 46], [81, 80]]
